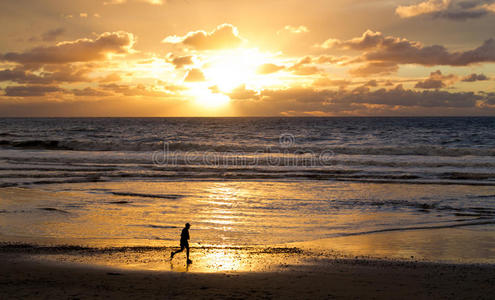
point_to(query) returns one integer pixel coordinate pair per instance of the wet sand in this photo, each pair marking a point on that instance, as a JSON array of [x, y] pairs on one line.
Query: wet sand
[[448, 245], [234, 273]]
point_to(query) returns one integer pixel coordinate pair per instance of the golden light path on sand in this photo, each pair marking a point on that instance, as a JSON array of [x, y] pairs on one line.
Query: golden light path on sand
[[451, 245], [236, 226]]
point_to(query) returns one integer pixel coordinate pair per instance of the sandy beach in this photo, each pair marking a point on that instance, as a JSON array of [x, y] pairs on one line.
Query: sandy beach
[[80, 273], [383, 220]]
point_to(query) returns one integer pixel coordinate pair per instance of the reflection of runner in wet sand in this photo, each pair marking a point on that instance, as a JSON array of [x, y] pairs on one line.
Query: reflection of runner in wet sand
[[184, 243]]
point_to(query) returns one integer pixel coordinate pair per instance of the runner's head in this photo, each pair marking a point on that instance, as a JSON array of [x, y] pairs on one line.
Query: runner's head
[[188, 225]]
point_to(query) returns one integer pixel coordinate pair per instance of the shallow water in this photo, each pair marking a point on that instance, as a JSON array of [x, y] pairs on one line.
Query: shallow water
[[248, 213]]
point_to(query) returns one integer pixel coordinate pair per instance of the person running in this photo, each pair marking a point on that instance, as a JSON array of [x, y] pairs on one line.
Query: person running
[[184, 243]]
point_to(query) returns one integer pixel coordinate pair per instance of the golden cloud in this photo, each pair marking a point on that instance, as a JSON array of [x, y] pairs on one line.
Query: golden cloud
[[422, 8], [294, 29], [225, 36], [382, 54], [436, 81], [80, 50], [457, 10], [194, 75], [269, 68]]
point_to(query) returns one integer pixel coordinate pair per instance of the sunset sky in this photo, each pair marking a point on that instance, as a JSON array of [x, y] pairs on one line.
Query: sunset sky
[[247, 58]]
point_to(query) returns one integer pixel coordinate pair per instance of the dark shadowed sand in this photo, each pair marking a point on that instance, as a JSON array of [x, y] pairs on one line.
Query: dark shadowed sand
[[146, 272]]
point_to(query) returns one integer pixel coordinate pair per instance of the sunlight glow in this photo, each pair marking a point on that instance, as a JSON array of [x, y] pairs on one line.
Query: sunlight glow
[[230, 69], [224, 260], [206, 98], [158, 68]]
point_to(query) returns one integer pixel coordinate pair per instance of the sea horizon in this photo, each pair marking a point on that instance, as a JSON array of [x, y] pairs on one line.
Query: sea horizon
[[239, 117]]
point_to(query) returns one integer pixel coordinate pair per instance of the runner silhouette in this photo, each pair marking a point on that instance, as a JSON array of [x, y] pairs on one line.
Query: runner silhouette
[[184, 243]]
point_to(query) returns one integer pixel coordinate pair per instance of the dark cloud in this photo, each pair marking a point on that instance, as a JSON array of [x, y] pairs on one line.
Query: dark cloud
[[110, 78], [81, 50], [308, 99], [30, 90], [223, 37], [59, 74], [241, 93], [421, 8], [383, 54], [361, 89], [302, 67], [19, 75], [194, 75], [414, 53], [52, 35], [399, 96], [362, 101], [375, 68], [475, 77], [89, 92], [460, 15], [42, 90], [388, 83], [430, 84], [370, 39], [468, 4], [292, 101], [327, 82], [457, 10], [371, 83], [126, 90], [490, 99], [297, 94], [436, 81]]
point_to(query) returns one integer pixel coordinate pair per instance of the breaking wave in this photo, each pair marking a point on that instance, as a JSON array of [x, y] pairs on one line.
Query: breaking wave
[[158, 145]]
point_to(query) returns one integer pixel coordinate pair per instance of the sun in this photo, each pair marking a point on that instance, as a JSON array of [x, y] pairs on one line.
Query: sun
[[207, 98], [229, 69], [226, 70]]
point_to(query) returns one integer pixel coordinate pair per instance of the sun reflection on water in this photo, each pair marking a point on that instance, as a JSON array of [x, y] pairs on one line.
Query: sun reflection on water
[[222, 208], [225, 215]]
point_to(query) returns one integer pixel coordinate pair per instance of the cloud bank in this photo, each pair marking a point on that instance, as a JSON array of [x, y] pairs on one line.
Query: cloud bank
[[225, 36], [457, 10], [81, 50], [382, 54]]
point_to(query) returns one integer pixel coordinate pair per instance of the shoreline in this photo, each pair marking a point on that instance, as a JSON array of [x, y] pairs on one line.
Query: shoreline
[[307, 275], [451, 245], [328, 268]]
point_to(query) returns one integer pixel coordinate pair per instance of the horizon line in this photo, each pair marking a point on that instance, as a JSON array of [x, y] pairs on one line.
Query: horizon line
[[232, 117]]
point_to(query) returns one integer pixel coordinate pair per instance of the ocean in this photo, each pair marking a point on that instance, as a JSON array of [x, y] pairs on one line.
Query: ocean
[[426, 150], [243, 181]]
